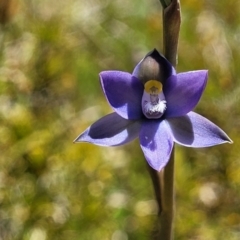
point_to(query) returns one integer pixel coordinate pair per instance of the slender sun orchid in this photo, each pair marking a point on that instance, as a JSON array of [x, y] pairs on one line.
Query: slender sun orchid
[[155, 104]]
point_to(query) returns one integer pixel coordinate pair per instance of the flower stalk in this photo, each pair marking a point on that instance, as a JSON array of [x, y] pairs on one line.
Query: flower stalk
[[163, 181], [171, 28]]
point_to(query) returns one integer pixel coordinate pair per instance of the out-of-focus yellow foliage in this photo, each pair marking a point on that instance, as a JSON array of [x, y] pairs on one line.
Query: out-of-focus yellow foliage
[[50, 56]]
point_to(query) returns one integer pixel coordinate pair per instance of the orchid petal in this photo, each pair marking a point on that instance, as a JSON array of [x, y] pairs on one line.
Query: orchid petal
[[123, 92], [153, 66], [183, 92], [194, 130], [111, 130], [156, 143]]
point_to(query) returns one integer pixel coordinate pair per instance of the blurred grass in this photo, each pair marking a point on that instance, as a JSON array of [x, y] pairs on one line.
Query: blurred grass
[[51, 54]]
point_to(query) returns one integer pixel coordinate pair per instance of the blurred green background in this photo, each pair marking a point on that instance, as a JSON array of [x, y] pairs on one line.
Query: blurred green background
[[51, 53]]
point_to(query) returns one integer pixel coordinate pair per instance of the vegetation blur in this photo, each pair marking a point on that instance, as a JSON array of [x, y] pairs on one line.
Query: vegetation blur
[[51, 54]]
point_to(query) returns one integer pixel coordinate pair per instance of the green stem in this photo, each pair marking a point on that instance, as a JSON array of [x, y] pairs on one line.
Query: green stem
[[167, 200], [165, 3], [171, 28], [163, 181]]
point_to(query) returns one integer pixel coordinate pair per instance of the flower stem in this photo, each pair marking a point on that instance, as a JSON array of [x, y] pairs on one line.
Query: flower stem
[[171, 28], [165, 3], [167, 200], [163, 181]]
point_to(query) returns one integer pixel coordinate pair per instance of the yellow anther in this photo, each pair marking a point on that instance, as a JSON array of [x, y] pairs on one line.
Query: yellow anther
[[153, 86]]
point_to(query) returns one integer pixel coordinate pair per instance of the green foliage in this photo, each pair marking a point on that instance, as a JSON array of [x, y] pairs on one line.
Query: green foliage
[[50, 189]]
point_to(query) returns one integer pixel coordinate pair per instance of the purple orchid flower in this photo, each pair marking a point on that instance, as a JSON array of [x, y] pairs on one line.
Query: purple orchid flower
[[155, 104]]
